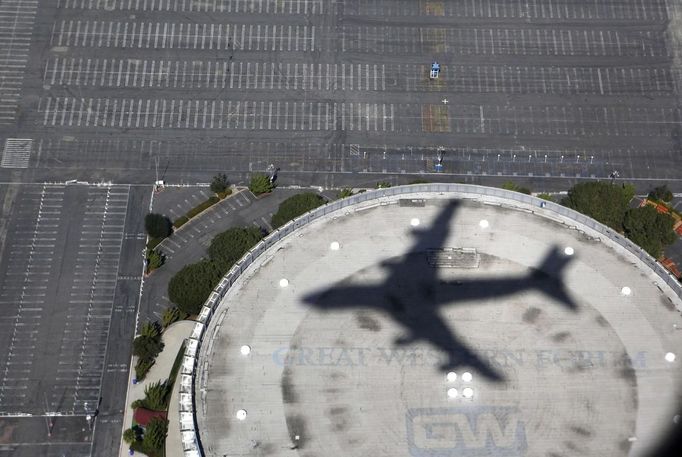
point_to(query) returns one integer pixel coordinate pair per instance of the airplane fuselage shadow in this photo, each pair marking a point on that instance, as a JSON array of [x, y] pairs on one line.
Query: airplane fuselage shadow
[[413, 295]]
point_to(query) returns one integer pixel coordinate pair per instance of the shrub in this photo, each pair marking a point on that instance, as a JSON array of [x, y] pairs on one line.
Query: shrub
[[172, 314], [547, 197], [139, 403], [155, 435], [157, 226], [516, 188], [294, 206], [202, 206], [230, 245], [601, 201], [156, 396], [383, 185], [130, 435], [224, 194], [344, 193], [151, 329], [147, 347], [191, 286], [260, 184], [661, 193], [155, 259], [649, 229], [179, 222], [219, 183], [142, 367]]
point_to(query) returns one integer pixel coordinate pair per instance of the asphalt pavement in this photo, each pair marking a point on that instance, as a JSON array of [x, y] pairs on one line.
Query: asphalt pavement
[[189, 243], [130, 90], [69, 278]]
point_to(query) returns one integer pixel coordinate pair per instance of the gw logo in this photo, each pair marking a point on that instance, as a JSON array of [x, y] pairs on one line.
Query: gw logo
[[466, 432]]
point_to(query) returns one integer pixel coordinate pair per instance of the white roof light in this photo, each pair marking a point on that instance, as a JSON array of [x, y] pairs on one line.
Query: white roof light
[[568, 251], [451, 376], [466, 377], [241, 414], [414, 222], [467, 392], [334, 246], [484, 224], [283, 282], [452, 392], [245, 350], [626, 291]]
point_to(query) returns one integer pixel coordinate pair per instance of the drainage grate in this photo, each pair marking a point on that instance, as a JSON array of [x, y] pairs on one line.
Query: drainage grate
[[17, 153]]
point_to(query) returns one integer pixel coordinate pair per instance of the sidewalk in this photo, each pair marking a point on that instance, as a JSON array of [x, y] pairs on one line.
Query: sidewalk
[[172, 338]]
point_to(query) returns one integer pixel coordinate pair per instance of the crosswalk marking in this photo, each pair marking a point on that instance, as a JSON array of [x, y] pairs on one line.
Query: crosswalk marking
[[16, 153]]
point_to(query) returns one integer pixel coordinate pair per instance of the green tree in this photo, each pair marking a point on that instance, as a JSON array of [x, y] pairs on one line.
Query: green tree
[[548, 197], [294, 206], [191, 286], [649, 229], [661, 193], [129, 436], [155, 435], [156, 396], [155, 259], [602, 201], [172, 314], [142, 367], [230, 245], [260, 184], [157, 225], [509, 185], [344, 193], [147, 347], [151, 329], [219, 183], [383, 185]]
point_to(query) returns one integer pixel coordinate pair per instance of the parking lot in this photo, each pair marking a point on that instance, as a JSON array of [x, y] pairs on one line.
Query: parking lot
[[552, 89], [138, 90], [59, 271]]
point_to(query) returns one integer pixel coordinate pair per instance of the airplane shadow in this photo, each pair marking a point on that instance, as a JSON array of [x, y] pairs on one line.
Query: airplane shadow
[[413, 294]]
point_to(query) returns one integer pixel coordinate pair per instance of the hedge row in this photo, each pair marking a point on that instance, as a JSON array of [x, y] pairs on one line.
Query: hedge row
[[192, 285], [201, 207], [294, 206]]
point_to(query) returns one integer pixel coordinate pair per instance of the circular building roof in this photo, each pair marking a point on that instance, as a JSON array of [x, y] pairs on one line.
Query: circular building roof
[[353, 357]]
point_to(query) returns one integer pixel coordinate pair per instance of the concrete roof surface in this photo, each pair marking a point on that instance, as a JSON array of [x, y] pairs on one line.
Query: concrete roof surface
[[351, 357]]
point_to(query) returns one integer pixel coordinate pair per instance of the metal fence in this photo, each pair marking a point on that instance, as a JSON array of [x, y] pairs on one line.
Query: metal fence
[[188, 425]]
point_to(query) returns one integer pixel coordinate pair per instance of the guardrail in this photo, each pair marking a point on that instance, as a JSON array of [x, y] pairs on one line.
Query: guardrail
[[190, 437]]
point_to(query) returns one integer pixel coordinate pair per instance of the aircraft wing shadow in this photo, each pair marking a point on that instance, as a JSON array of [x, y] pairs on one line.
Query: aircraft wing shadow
[[412, 294]]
